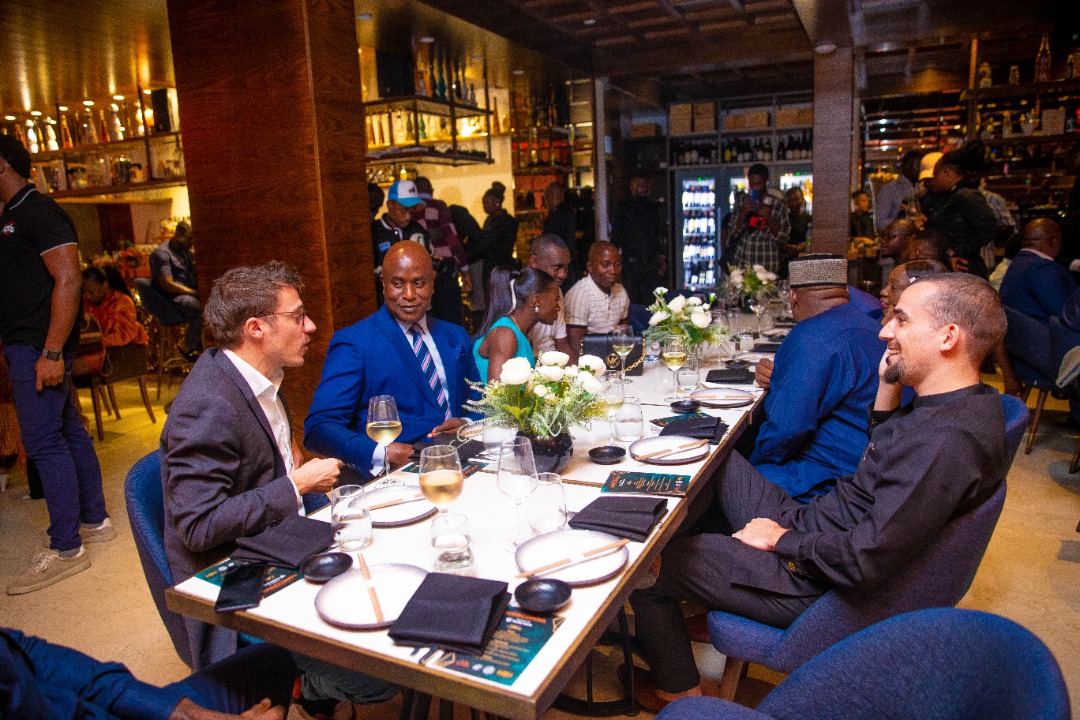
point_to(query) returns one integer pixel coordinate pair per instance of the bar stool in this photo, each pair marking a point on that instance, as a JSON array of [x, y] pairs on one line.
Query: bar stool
[[166, 330]]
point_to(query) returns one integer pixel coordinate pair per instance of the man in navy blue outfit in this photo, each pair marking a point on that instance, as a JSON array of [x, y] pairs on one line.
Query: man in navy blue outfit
[[1035, 284], [401, 351], [823, 379]]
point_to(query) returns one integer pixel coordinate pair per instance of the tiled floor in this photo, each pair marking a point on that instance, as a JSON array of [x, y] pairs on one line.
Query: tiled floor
[[1031, 572]]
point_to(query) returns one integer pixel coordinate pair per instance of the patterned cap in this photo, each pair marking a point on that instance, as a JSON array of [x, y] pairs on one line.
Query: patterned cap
[[818, 269]]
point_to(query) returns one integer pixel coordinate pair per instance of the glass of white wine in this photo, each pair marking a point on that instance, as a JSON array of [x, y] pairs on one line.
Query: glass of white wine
[[674, 356], [622, 342], [614, 393], [383, 424], [517, 479], [441, 480]]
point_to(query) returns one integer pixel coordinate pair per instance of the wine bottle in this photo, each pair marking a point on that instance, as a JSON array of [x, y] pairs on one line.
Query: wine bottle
[[65, 134], [32, 137], [1042, 60], [102, 126], [441, 87]]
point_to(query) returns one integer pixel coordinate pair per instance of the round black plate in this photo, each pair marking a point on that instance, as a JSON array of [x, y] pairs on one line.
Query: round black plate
[[685, 406], [542, 595], [736, 364], [607, 454], [323, 567]]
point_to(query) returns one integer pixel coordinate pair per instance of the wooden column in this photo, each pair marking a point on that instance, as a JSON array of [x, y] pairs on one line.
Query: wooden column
[[833, 138], [273, 132]]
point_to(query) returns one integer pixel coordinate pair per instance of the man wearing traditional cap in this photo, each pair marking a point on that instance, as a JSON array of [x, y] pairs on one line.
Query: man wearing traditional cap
[[823, 379]]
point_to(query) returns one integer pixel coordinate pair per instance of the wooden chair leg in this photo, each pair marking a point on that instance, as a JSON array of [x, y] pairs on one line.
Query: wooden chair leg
[[1039, 402], [96, 400], [734, 671], [146, 399], [1074, 464], [112, 399]]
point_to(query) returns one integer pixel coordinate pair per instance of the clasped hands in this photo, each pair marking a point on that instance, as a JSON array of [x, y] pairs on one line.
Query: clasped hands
[[761, 533]]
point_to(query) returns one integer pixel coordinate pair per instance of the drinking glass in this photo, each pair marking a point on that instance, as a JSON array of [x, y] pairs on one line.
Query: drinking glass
[[440, 476], [687, 377], [517, 479], [383, 424], [628, 421], [495, 434], [614, 392], [547, 504], [674, 356], [758, 303], [451, 540], [622, 342], [350, 518]]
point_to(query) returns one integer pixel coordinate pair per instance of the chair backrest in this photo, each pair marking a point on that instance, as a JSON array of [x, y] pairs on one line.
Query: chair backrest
[[932, 664], [938, 576], [155, 303], [1028, 343], [1062, 340], [1016, 419], [124, 362], [146, 513]]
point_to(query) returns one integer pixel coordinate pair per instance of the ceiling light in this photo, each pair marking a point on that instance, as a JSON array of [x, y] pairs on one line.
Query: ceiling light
[[147, 91], [10, 117], [88, 103], [35, 113], [364, 16], [589, 21], [62, 108], [117, 97], [825, 47], [427, 39]]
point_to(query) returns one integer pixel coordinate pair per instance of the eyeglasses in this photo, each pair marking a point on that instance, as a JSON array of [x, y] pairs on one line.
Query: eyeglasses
[[300, 314]]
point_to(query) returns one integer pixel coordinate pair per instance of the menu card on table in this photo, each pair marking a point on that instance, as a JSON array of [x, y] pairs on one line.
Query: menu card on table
[[665, 421], [632, 481], [515, 643], [276, 578]]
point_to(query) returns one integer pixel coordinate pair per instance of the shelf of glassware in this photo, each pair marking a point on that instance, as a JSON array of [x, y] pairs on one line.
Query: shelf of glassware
[[425, 130], [113, 167]]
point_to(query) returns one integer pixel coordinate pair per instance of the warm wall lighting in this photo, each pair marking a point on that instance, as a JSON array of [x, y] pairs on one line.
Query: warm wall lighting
[[88, 103], [35, 113], [10, 118], [62, 108]]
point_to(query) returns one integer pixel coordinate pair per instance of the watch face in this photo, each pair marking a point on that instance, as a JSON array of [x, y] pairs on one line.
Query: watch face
[[51, 355]]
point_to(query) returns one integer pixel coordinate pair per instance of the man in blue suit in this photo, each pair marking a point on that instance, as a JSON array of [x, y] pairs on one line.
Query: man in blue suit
[[1034, 284], [422, 362]]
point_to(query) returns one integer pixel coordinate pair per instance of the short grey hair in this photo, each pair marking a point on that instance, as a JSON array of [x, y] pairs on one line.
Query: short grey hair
[[245, 292]]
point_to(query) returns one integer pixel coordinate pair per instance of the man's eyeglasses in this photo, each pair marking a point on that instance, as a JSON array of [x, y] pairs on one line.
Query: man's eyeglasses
[[300, 314]]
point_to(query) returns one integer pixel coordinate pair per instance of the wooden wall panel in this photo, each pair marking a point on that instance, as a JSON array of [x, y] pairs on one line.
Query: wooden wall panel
[[272, 121], [833, 134]]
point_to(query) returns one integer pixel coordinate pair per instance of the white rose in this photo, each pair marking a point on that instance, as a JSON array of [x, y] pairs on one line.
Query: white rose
[[554, 357], [695, 300], [700, 319], [658, 317], [553, 373], [677, 303], [770, 276], [516, 371], [592, 364], [661, 291], [759, 270], [736, 277], [571, 371], [540, 390], [589, 383]]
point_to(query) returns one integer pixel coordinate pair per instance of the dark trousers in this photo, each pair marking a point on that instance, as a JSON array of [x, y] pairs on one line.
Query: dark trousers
[[239, 681], [446, 298], [189, 307], [700, 568], [56, 440]]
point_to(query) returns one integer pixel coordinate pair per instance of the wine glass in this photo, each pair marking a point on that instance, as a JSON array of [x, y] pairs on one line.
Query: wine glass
[[383, 424], [674, 356], [517, 479], [757, 303], [441, 480], [614, 392], [622, 342]]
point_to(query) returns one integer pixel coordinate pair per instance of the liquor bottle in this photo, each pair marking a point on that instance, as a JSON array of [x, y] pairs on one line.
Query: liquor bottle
[[50, 135], [1042, 60], [496, 122], [116, 130], [32, 137], [440, 88], [410, 130], [65, 134], [768, 150], [781, 150], [433, 84], [102, 126]]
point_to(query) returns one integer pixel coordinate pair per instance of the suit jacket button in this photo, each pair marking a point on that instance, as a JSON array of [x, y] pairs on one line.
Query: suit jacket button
[[791, 566]]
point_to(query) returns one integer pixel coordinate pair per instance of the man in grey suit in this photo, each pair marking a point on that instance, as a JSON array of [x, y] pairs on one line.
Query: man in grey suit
[[230, 465]]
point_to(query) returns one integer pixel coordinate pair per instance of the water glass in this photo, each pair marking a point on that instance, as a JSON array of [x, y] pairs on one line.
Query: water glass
[[628, 422], [746, 342], [687, 377], [451, 542], [651, 352], [350, 518], [516, 479], [547, 504], [495, 434]]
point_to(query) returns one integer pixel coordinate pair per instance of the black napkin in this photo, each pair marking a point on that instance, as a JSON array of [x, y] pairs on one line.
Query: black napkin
[[465, 452], [737, 376], [702, 428], [627, 517], [453, 612], [288, 543], [767, 347]]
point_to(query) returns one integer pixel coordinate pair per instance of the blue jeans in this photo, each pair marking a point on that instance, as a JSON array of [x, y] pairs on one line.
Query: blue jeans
[[54, 437], [239, 681]]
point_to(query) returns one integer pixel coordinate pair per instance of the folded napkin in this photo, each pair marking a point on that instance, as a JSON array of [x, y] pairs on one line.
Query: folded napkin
[[288, 543], [737, 376], [766, 347], [702, 428], [453, 612], [627, 517], [465, 452]]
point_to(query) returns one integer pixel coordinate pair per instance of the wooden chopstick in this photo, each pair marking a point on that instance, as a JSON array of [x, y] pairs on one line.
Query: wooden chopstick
[[566, 561], [586, 483], [672, 451], [399, 501], [379, 617]]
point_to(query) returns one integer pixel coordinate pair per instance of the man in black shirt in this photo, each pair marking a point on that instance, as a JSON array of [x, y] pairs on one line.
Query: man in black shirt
[[40, 293], [172, 267], [635, 230]]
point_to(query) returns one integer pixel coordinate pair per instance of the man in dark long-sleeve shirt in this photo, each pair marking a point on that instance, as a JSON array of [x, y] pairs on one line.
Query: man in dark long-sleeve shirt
[[959, 213], [928, 462], [635, 230]]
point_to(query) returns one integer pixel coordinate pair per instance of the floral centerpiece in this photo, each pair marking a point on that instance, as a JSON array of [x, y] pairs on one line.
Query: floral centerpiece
[[750, 281], [685, 316]]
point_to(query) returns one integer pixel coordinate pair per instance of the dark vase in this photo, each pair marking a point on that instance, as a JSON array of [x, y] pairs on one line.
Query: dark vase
[[552, 453]]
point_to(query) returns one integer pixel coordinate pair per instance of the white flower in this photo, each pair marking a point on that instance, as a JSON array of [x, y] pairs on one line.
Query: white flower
[[661, 291], [571, 371], [551, 399], [516, 371], [554, 357], [658, 317], [695, 300], [736, 277], [540, 390], [553, 373], [589, 383], [591, 363], [700, 319], [677, 303], [770, 276], [759, 270]]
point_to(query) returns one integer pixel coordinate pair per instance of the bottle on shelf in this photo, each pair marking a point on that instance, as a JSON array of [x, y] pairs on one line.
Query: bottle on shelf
[[51, 143], [65, 133], [1042, 60]]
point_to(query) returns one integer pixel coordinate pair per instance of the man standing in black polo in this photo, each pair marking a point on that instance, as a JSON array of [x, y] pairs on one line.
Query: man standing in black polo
[[40, 293], [635, 230]]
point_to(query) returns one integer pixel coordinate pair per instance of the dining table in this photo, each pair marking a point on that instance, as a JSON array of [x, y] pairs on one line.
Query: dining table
[[531, 657]]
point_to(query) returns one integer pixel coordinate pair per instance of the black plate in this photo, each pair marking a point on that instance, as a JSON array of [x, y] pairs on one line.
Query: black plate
[[542, 595], [685, 406], [736, 364], [323, 567], [607, 454]]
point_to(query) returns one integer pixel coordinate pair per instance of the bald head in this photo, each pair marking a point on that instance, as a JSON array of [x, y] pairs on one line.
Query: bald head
[[408, 281], [1044, 235]]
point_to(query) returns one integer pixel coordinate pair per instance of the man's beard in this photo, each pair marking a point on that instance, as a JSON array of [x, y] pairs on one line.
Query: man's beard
[[894, 372]]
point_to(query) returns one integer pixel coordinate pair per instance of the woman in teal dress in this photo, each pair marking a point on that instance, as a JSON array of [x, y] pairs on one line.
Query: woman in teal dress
[[517, 300]]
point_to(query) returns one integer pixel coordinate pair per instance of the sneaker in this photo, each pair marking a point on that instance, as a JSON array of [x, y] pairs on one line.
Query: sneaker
[[48, 568], [102, 532]]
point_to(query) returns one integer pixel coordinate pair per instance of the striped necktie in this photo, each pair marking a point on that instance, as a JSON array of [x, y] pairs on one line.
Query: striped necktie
[[427, 366]]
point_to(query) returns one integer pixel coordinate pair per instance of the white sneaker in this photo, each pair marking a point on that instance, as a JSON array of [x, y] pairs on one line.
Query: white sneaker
[[102, 532], [48, 568]]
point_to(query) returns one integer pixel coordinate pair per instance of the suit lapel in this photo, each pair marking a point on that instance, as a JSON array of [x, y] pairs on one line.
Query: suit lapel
[[233, 374], [390, 329]]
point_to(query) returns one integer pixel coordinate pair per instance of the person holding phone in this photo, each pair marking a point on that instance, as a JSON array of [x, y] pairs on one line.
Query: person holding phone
[[759, 226]]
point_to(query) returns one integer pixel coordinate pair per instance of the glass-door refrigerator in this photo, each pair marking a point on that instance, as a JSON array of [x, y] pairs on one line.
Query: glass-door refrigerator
[[697, 247]]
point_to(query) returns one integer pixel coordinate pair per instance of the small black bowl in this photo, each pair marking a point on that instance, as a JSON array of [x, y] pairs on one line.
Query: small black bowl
[[325, 566], [542, 595], [607, 454], [737, 364], [686, 406]]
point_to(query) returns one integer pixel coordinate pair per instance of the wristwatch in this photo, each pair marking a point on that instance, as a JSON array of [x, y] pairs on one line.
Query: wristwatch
[[50, 354]]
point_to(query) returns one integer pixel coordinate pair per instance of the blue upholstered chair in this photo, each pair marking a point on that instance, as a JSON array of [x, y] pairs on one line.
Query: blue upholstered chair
[[936, 577], [940, 664], [1027, 341], [1016, 418], [146, 513]]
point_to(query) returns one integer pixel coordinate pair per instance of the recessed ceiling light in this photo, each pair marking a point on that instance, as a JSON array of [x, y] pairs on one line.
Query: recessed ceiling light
[[589, 21], [62, 108], [9, 117], [117, 97], [825, 47], [88, 103], [35, 113], [517, 72], [364, 16], [427, 39]]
